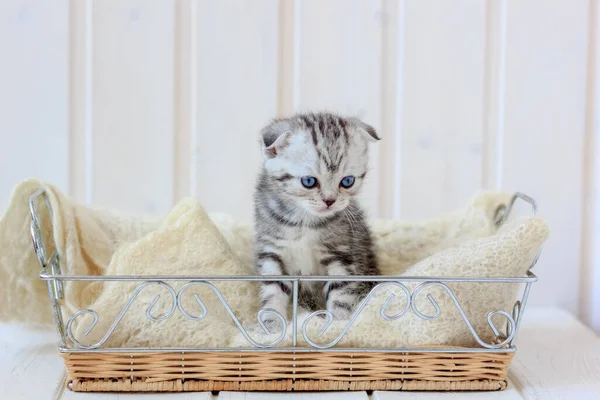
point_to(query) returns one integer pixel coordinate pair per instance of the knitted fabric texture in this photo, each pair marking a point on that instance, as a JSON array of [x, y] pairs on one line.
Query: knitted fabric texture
[[188, 241]]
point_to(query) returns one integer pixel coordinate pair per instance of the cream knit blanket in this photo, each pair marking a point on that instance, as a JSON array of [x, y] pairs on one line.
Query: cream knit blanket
[[187, 241]]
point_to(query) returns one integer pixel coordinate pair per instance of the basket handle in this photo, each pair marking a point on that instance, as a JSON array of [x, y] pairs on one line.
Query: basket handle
[[39, 245], [503, 211]]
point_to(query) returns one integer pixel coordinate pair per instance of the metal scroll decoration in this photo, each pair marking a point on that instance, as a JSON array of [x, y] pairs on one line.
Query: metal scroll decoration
[[509, 318], [260, 315], [410, 303], [177, 303], [112, 328], [329, 316]]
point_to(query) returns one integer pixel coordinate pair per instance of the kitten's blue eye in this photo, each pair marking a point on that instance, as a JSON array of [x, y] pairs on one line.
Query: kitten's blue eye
[[347, 182], [309, 181]]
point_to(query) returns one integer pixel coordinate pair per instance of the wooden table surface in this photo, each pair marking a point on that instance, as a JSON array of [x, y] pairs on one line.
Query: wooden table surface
[[558, 358]]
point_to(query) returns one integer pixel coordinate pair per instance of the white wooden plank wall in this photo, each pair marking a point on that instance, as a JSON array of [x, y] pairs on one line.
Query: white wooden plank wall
[[135, 104], [544, 128], [589, 299], [34, 82], [236, 94], [132, 104], [441, 129]]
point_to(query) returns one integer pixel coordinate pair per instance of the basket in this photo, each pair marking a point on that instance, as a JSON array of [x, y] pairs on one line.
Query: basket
[[269, 367]]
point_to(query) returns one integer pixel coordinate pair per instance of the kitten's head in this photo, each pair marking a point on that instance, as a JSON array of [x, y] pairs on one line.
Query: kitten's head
[[317, 162]]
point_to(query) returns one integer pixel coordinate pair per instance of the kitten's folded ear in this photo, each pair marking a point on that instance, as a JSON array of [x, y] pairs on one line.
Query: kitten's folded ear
[[275, 137], [366, 130]]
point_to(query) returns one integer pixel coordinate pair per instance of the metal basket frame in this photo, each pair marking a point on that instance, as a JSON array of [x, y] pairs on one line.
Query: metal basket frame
[[505, 339]]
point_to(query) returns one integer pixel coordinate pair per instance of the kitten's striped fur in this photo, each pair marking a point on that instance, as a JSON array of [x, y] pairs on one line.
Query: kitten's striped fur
[[297, 233]]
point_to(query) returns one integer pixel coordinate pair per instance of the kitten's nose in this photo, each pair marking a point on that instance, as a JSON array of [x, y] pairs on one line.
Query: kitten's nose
[[329, 202]]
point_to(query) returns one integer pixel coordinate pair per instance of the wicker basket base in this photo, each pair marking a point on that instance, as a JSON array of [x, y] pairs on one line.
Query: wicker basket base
[[177, 372], [178, 385]]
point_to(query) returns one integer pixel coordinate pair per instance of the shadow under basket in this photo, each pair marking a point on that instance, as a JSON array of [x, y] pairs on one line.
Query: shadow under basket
[[272, 371], [267, 367]]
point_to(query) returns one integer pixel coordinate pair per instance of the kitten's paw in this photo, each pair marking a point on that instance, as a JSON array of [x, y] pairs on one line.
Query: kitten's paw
[[272, 325], [270, 322], [340, 312]]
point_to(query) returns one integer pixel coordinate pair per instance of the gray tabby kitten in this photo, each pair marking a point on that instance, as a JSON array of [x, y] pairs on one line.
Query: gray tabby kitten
[[307, 219]]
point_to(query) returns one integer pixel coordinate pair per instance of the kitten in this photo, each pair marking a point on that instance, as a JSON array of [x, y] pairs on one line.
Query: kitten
[[307, 219]]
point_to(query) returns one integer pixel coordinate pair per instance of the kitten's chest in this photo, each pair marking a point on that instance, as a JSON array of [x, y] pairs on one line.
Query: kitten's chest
[[303, 255]]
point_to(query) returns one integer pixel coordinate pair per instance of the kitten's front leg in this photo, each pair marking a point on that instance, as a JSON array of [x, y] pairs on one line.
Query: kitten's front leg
[[340, 296], [274, 295]]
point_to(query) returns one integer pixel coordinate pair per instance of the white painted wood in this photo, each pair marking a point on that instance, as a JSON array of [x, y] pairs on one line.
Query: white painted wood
[[293, 396], [340, 43], [558, 357], [543, 131], [442, 105], [34, 116], [392, 45], [133, 122], [30, 367], [236, 91], [289, 53], [494, 89], [68, 395], [184, 178], [135, 104], [80, 100], [589, 300]]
